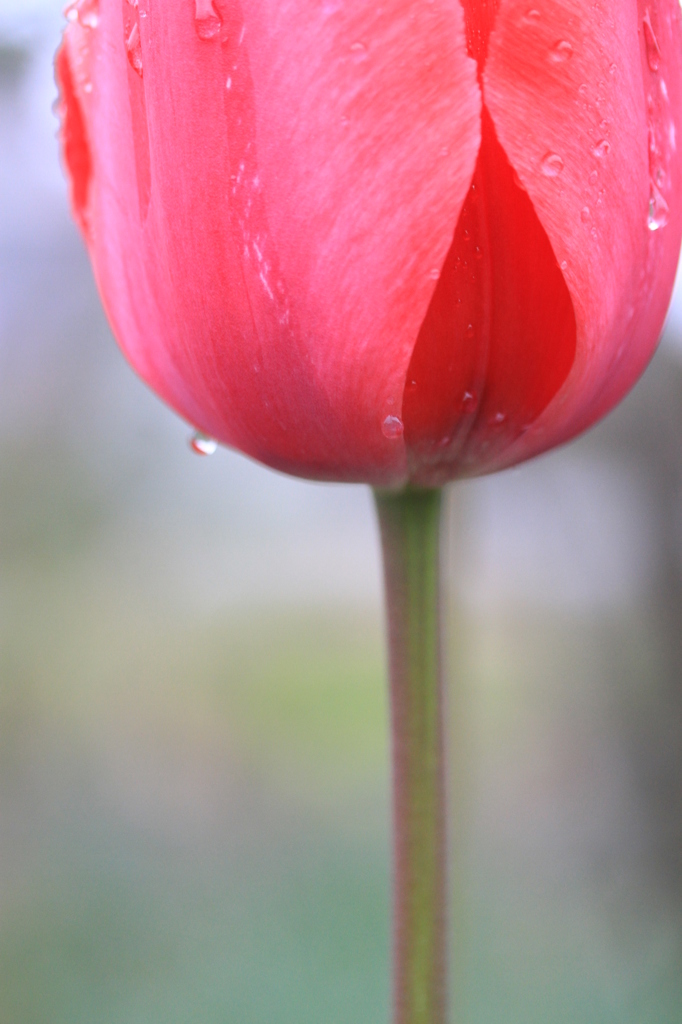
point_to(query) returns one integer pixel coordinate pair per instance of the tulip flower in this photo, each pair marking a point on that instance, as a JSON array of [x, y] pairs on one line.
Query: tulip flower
[[396, 243], [388, 243]]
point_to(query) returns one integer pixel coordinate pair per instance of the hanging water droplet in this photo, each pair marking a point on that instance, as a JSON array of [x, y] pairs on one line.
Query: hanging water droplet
[[134, 50], [561, 51], [202, 444], [602, 149], [469, 401], [653, 52], [552, 165], [206, 21], [585, 214], [659, 211], [392, 427]]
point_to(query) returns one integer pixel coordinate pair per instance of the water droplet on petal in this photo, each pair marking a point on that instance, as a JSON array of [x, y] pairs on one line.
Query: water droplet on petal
[[392, 427], [585, 214], [358, 52], [134, 50], [202, 444], [469, 401], [653, 52], [470, 331], [206, 21], [498, 418], [659, 211], [434, 273], [86, 12], [552, 165], [561, 51], [564, 264], [602, 149], [594, 178]]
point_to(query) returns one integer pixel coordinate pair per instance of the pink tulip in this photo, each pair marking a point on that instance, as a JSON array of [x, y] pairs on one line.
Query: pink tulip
[[406, 241]]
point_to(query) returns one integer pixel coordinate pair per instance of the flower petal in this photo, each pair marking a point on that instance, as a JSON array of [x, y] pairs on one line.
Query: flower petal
[[581, 85], [307, 165]]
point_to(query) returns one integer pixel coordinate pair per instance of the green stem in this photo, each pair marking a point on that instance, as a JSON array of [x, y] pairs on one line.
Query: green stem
[[410, 533]]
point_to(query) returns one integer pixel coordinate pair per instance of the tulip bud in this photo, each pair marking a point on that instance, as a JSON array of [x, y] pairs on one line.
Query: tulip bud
[[406, 242]]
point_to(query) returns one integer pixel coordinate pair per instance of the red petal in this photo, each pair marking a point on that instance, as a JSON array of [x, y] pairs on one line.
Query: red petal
[[574, 79], [308, 164], [73, 136], [499, 338]]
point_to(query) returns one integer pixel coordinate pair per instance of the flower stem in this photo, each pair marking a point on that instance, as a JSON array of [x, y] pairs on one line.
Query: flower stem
[[410, 535]]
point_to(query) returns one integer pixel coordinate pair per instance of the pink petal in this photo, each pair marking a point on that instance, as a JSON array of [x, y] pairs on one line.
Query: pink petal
[[576, 80], [305, 164]]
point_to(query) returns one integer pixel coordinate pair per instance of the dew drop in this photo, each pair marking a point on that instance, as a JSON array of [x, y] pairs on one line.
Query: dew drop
[[564, 264], [585, 214], [602, 149], [85, 12], [206, 21], [594, 178], [659, 211], [653, 52], [561, 52], [434, 273], [552, 165], [498, 418], [358, 52], [392, 427], [469, 401], [202, 444], [470, 331], [134, 50]]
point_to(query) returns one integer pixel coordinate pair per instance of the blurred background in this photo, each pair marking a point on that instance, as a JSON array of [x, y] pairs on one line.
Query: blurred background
[[193, 745]]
